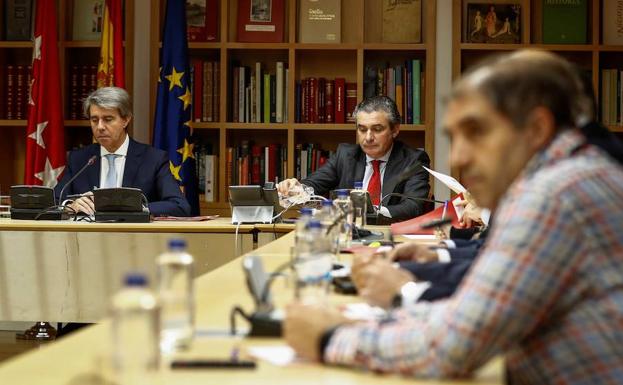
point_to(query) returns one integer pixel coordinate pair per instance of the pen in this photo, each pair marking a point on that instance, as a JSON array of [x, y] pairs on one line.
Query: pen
[[445, 208]]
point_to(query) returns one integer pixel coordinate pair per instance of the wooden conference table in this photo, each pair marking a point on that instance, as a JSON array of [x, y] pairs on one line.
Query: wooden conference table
[[77, 359], [65, 271]]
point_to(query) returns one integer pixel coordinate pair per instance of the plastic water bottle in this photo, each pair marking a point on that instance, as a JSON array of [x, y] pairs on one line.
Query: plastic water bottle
[[175, 281], [328, 218], [313, 264], [358, 197], [135, 331], [301, 223], [345, 211]]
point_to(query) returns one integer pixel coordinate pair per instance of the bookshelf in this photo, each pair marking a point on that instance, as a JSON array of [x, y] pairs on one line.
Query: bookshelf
[[593, 56], [361, 46], [71, 53]]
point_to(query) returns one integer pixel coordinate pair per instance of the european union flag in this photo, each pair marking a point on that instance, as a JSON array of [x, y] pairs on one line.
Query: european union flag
[[173, 119]]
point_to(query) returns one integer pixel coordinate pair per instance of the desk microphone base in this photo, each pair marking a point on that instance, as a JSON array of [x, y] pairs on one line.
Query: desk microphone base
[[31, 214], [122, 217]]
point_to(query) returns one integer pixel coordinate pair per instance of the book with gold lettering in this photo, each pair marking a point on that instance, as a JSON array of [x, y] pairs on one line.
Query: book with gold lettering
[[320, 21]]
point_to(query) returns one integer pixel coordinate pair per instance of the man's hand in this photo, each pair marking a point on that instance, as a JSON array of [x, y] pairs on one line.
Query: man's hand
[[84, 204], [304, 326], [411, 251], [381, 282], [286, 185], [472, 214]]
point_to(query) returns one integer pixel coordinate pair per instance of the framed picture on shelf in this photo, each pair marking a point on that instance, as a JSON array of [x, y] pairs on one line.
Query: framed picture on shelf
[[492, 22]]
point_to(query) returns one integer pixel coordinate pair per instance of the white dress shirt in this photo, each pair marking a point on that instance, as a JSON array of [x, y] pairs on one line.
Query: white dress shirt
[[367, 175], [119, 162]]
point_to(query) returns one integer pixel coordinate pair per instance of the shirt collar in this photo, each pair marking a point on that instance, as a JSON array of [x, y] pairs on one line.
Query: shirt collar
[[384, 158], [562, 146], [122, 150]]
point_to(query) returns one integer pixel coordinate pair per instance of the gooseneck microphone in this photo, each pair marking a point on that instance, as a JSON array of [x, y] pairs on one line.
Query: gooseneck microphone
[[86, 165]]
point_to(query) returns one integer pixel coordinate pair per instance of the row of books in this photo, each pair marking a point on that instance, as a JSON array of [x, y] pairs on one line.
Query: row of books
[[207, 172], [205, 80], [309, 157], [320, 100], [259, 96], [83, 81], [611, 100], [402, 83], [16, 88], [250, 163]]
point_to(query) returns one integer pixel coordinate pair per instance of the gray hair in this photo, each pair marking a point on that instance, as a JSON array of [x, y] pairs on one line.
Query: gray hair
[[517, 83], [380, 103], [109, 98]]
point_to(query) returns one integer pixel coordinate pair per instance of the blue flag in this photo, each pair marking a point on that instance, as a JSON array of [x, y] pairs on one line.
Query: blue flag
[[173, 113]]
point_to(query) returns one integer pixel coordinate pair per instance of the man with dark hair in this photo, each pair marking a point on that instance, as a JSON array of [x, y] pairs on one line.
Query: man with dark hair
[[545, 290], [377, 161], [120, 160]]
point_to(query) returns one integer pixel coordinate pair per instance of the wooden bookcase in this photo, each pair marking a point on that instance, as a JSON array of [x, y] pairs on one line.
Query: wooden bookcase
[[593, 56], [70, 52], [361, 29]]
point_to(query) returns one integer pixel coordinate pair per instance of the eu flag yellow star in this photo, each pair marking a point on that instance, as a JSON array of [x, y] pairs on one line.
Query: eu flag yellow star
[[175, 79], [186, 151], [186, 98], [175, 171]]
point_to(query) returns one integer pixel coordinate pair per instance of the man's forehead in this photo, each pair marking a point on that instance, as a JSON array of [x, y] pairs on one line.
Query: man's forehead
[[467, 109], [374, 117]]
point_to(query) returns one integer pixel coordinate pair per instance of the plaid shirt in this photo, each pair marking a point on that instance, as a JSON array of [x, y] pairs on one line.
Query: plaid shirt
[[546, 290]]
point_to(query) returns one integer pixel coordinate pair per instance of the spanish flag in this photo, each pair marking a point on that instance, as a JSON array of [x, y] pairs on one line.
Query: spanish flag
[[110, 71]]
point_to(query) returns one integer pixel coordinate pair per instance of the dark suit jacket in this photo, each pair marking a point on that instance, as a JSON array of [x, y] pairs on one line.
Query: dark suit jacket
[[146, 168], [349, 163]]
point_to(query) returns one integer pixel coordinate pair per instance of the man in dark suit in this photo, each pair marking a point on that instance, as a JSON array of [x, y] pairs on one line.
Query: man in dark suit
[[377, 161], [120, 160]]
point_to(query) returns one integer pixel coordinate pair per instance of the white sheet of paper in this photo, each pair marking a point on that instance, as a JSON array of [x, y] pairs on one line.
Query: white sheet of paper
[[363, 312], [449, 181], [420, 237], [279, 355]]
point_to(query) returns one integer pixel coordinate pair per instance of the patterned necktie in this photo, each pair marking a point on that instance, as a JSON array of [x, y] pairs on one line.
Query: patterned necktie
[[374, 186], [111, 176]]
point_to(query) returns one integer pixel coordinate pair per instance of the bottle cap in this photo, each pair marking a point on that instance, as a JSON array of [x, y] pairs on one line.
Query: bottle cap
[[177, 244], [314, 224], [327, 202], [306, 211], [358, 185], [342, 193], [135, 279]]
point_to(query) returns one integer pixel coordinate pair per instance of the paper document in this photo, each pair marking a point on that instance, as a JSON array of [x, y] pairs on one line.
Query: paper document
[[449, 181], [277, 355]]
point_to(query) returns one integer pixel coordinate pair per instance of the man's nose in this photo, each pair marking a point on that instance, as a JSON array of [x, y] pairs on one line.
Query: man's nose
[[369, 136], [460, 153]]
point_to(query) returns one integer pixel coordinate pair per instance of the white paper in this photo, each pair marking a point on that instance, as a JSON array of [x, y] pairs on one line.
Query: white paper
[[363, 312], [280, 355], [449, 181], [420, 237]]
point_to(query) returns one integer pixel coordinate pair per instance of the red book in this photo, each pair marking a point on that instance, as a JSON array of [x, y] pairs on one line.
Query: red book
[[20, 97], [202, 20], [305, 102], [74, 94], [414, 226], [256, 172], [351, 101], [229, 165], [272, 161], [329, 102], [260, 21], [197, 89], [313, 100], [10, 92], [340, 100], [322, 83]]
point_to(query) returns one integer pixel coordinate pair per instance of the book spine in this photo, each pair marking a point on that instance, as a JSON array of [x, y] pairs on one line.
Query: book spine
[[313, 100], [273, 99], [340, 100], [241, 94], [216, 91], [286, 100], [417, 89], [351, 101], [20, 107], [297, 102], [211, 168], [266, 99], [605, 99], [235, 96], [329, 102], [258, 92], [74, 94], [211, 24], [279, 93], [229, 166], [409, 91], [305, 107], [321, 100], [399, 100], [197, 87]]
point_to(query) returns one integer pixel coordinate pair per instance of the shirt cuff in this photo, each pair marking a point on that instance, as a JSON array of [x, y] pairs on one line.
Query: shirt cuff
[[443, 255], [385, 212], [450, 244]]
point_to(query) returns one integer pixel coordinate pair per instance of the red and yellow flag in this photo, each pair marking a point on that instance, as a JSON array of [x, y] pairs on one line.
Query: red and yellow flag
[[110, 71]]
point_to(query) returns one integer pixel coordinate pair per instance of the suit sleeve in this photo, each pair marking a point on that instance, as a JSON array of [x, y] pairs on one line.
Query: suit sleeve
[[326, 177], [170, 201], [416, 186], [66, 177]]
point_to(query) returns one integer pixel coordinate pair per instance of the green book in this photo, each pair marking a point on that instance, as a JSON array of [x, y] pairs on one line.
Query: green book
[[266, 98], [416, 81], [564, 21]]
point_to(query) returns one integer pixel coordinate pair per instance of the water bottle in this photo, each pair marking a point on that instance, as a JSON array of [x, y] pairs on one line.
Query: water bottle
[[135, 331], [345, 211], [175, 281], [301, 223], [313, 264], [328, 218], [359, 198]]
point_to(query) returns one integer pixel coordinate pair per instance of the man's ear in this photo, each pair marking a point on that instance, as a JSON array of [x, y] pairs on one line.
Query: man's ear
[[541, 127]]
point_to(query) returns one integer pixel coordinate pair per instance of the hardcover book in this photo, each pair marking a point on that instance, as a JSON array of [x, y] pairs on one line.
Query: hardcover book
[[495, 23], [88, 19], [612, 26], [202, 20], [564, 22], [18, 19], [260, 21], [320, 21], [402, 21]]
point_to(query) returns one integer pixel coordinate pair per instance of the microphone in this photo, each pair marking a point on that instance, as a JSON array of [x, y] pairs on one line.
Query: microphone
[[410, 197], [87, 164]]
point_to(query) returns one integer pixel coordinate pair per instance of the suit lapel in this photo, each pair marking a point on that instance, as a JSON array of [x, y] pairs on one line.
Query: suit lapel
[[395, 166], [94, 172], [359, 161], [132, 161]]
